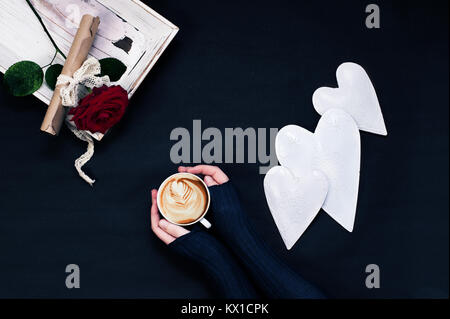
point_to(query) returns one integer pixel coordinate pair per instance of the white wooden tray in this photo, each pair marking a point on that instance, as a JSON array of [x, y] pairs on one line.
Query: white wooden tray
[[129, 31]]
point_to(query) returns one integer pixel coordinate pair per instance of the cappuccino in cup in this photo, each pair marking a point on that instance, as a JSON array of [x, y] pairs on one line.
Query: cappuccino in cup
[[183, 199]]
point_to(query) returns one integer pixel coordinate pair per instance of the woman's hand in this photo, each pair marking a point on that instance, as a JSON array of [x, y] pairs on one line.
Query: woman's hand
[[164, 230], [168, 232], [213, 175]]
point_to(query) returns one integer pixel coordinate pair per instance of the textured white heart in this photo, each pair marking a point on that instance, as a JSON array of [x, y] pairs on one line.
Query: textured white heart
[[355, 95], [294, 201], [333, 150], [340, 160]]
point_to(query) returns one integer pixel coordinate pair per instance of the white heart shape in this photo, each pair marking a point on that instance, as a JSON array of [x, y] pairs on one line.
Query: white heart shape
[[340, 160], [335, 150], [355, 95], [293, 201], [297, 149]]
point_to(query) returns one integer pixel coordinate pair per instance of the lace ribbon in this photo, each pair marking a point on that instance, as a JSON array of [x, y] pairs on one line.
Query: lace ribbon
[[86, 157], [87, 75]]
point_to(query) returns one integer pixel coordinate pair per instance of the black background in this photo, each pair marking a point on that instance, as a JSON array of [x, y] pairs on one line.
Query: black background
[[241, 64]]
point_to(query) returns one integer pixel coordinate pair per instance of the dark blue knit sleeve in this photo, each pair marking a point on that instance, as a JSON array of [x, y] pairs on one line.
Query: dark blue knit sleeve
[[272, 275], [217, 262]]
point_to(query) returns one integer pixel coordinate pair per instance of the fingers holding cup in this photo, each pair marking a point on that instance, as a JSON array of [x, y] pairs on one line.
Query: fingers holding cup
[[155, 220], [215, 174]]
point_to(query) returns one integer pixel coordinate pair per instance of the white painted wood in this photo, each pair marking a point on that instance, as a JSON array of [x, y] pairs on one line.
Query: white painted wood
[[22, 36]]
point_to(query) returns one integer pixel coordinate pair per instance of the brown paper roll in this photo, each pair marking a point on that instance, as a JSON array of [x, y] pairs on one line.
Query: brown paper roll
[[78, 53]]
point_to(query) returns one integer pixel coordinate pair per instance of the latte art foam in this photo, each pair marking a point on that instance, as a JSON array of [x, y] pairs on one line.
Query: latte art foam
[[183, 199]]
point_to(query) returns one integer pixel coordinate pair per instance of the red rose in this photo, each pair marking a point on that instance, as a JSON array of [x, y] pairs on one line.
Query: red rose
[[100, 110]]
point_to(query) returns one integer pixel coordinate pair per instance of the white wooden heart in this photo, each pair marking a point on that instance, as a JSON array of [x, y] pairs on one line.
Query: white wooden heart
[[339, 160], [355, 95], [294, 201], [333, 150]]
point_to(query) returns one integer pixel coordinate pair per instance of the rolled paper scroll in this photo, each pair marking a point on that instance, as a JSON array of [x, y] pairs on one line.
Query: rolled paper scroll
[[78, 53]]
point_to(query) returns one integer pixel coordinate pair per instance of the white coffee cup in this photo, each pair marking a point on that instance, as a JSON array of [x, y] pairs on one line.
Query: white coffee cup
[[200, 219]]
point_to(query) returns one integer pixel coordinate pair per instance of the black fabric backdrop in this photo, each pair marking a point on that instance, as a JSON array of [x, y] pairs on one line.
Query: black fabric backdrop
[[241, 64]]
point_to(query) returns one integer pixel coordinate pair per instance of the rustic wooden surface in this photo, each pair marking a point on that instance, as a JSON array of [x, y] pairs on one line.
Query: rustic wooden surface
[[129, 31]]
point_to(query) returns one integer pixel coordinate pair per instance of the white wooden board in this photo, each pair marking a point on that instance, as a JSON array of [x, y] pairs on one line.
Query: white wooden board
[[129, 31]]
